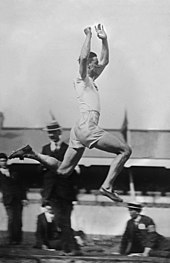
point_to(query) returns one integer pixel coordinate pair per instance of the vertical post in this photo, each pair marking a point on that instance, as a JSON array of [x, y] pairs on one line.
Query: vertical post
[[131, 185], [1, 120]]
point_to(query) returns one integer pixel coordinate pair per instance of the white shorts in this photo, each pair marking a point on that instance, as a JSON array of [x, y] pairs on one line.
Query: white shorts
[[86, 131]]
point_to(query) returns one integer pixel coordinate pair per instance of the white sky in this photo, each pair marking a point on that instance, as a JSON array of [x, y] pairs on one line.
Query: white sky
[[40, 41]]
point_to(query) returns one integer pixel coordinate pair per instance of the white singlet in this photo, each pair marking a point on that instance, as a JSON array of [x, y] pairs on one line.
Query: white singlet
[[87, 94]]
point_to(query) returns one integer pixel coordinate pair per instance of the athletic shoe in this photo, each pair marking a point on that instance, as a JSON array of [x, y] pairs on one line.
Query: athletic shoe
[[112, 195], [20, 153]]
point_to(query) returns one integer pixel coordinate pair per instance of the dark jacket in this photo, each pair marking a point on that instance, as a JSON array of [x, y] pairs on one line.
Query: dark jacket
[[54, 186], [138, 236], [13, 188], [45, 232], [58, 154]]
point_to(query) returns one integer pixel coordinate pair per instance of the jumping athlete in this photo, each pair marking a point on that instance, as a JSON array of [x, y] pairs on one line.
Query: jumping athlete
[[86, 132]]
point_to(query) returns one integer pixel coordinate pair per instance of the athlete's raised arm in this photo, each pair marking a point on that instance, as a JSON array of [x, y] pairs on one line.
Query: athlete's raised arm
[[85, 51], [104, 58]]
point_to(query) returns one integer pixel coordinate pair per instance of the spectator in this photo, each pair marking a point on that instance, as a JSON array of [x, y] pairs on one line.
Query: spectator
[[140, 236], [61, 192], [47, 235], [14, 197], [56, 148]]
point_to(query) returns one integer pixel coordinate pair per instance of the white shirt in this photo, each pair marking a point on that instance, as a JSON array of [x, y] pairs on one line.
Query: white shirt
[[5, 171], [87, 94], [55, 146], [49, 217]]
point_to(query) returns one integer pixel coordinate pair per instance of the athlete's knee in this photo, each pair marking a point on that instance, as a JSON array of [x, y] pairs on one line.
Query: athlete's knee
[[61, 172], [127, 150], [64, 172]]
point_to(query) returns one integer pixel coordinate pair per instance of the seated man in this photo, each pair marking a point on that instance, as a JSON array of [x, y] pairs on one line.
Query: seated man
[[140, 236], [47, 237]]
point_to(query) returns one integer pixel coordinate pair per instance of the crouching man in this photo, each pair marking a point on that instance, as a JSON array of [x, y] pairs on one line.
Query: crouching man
[[140, 236], [47, 236]]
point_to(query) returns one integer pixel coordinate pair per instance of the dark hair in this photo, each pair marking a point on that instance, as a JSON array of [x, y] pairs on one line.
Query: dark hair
[[91, 55], [3, 156]]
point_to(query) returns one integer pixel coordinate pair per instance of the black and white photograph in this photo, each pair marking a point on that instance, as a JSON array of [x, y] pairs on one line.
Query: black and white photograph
[[84, 131]]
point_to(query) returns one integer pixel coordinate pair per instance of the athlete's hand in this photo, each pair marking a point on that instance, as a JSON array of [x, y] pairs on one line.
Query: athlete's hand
[[100, 31], [87, 31]]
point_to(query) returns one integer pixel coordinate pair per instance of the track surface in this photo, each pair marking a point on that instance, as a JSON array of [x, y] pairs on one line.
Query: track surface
[[96, 249]]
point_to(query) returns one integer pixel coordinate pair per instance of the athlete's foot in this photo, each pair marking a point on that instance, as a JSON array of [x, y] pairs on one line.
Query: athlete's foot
[[111, 194], [25, 151]]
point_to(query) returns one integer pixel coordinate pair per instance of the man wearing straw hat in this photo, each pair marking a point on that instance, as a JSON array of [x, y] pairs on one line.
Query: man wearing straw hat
[[56, 147], [60, 192], [140, 237]]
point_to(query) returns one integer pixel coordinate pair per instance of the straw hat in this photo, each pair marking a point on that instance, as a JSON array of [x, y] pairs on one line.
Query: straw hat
[[134, 205], [52, 126]]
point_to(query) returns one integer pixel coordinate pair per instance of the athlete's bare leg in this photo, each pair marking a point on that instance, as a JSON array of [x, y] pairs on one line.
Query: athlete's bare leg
[[71, 159], [65, 168], [28, 152], [112, 144], [72, 156], [48, 161]]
